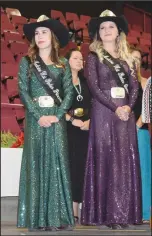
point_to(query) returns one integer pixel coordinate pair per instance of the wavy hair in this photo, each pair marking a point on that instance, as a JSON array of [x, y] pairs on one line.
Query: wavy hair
[[138, 65], [54, 56], [122, 48]]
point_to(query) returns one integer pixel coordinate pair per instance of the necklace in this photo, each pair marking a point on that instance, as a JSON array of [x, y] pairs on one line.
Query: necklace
[[79, 96]]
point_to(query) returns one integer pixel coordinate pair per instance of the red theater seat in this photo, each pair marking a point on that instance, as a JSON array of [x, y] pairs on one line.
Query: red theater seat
[[9, 70], [19, 109], [18, 48], [19, 29], [7, 56], [11, 37], [70, 17], [146, 35], [12, 87], [4, 94], [134, 33], [85, 19], [18, 20], [64, 23], [57, 15], [132, 40], [145, 73], [144, 48], [4, 44], [145, 42], [79, 25], [6, 25], [8, 120], [137, 27]]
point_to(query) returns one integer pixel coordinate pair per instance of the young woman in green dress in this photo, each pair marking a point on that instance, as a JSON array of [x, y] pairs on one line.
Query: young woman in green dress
[[46, 90]]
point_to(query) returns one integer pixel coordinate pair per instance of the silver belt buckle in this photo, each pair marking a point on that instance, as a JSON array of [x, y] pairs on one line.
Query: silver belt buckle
[[46, 101], [117, 92]]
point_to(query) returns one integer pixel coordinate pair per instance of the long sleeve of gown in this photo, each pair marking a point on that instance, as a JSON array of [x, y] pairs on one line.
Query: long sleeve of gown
[[68, 92], [23, 85], [92, 78], [133, 88]]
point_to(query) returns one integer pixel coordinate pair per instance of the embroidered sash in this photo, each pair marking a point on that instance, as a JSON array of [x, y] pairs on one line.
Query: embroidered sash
[[117, 69], [47, 78]]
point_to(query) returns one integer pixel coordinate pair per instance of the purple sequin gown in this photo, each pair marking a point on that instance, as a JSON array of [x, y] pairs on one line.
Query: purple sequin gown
[[112, 186]]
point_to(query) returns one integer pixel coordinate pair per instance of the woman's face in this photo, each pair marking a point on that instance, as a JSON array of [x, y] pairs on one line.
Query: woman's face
[[43, 37], [137, 57], [76, 61], [108, 31]]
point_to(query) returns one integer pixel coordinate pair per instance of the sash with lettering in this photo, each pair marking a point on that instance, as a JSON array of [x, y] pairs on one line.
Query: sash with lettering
[[117, 70], [48, 79]]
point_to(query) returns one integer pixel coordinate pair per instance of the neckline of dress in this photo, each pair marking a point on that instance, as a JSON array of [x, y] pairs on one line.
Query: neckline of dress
[[111, 55]]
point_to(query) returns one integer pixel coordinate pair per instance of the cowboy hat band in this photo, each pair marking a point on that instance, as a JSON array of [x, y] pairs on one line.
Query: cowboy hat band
[[107, 15], [54, 25]]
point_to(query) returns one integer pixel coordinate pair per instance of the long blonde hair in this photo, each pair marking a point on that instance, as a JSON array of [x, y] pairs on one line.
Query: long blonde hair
[[122, 48], [54, 56], [134, 49]]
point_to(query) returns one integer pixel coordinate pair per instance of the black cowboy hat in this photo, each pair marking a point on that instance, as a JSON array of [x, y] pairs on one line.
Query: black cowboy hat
[[54, 25], [107, 15]]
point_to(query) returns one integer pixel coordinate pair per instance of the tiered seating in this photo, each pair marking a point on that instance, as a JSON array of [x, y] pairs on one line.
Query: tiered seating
[[10, 37], [18, 48], [8, 120], [58, 15], [18, 22], [6, 25], [85, 19], [8, 70]]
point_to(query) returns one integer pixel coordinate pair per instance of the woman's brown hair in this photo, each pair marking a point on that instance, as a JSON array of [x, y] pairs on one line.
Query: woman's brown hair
[[33, 50]]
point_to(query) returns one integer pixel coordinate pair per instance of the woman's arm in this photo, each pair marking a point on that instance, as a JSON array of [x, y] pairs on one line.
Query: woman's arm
[[23, 85], [68, 92], [92, 79]]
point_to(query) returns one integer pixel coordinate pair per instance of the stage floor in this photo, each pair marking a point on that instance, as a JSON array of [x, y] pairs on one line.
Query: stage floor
[[8, 224]]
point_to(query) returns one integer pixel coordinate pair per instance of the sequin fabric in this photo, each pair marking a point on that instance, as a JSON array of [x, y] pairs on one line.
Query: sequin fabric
[[45, 189], [112, 185]]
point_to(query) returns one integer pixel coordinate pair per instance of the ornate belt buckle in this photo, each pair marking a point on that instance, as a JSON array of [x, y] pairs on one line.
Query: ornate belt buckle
[[79, 112], [46, 101], [117, 92]]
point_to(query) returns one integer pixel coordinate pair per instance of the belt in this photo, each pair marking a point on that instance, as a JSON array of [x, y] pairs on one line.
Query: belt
[[78, 112], [44, 101]]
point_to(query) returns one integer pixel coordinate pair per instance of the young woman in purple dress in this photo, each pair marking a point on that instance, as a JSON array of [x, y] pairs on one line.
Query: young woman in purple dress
[[112, 185]]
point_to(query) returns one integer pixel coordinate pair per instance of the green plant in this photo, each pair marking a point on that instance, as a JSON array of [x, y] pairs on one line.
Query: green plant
[[7, 139]]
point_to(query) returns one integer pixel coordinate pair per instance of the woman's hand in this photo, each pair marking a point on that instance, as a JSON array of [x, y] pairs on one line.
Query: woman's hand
[[53, 119], [122, 113], [139, 122], [77, 123], [44, 121], [127, 108], [85, 125]]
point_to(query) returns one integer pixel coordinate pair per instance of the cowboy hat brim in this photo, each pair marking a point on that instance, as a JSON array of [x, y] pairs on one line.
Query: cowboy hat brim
[[94, 24], [54, 25]]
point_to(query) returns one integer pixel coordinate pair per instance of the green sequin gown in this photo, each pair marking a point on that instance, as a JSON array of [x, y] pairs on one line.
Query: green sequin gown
[[44, 190]]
